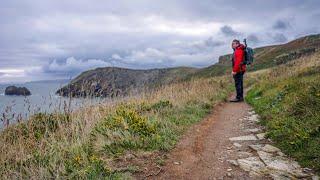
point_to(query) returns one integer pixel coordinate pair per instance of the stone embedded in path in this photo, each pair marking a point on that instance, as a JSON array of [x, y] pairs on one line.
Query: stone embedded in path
[[254, 118], [251, 112], [267, 148], [254, 130], [315, 177], [244, 154], [250, 137], [261, 136], [282, 164], [233, 162], [268, 164], [281, 154], [237, 145], [278, 167], [270, 149], [252, 164], [280, 175], [256, 147]]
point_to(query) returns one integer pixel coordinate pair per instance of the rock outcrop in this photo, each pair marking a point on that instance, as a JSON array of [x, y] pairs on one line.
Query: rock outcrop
[[19, 91]]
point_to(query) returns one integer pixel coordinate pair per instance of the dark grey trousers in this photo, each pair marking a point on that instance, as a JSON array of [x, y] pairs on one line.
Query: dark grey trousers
[[238, 82]]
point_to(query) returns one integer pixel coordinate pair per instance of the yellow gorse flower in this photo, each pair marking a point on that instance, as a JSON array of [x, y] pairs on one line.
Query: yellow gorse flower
[[77, 159], [93, 158]]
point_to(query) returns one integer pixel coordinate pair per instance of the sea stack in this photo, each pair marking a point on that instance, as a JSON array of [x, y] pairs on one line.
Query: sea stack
[[18, 91]]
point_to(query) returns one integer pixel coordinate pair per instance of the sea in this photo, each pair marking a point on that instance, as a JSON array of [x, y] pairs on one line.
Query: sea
[[43, 99]]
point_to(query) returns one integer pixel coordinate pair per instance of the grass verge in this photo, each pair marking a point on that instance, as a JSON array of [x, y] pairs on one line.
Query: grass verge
[[288, 100]]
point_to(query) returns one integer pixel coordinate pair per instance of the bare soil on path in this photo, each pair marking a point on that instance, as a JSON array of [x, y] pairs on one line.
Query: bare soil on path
[[203, 150]]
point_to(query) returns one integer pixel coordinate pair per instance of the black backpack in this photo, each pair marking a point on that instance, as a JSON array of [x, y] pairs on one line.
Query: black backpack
[[248, 54]]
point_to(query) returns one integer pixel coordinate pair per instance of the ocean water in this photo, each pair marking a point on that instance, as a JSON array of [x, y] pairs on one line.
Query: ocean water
[[43, 99]]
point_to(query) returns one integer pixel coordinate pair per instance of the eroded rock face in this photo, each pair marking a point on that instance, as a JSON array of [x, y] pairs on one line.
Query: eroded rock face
[[19, 91]]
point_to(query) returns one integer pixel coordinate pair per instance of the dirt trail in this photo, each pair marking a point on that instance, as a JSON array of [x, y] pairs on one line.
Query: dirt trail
[[227, 144], [203, 150]]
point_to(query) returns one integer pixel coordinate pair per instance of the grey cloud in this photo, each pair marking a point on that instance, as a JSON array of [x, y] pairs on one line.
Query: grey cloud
[[253, 38], [201, 46], [72, 66], [195, 54], [228, 31], [213, 43], [281, 25], [151, 57], [316, 16]]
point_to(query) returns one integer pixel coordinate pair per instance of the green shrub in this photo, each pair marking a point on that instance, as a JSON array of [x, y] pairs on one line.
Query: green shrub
[[125, 129], [129, 120]]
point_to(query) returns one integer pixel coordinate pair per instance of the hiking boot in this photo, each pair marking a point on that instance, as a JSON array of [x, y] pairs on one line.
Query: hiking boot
[[236, 100]]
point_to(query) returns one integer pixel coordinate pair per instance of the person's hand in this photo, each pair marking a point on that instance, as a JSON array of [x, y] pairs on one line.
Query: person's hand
[[234, 73]]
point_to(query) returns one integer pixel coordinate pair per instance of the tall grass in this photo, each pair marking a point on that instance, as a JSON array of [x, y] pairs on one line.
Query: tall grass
[[87, 142]]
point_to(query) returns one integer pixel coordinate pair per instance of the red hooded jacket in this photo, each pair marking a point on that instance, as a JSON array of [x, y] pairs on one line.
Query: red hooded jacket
[[238, 58]]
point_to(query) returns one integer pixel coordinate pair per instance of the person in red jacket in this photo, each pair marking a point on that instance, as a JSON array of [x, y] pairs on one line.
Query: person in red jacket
[[238, 68]]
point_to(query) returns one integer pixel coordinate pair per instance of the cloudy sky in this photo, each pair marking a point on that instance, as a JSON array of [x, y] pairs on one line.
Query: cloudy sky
[[56, 39]]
